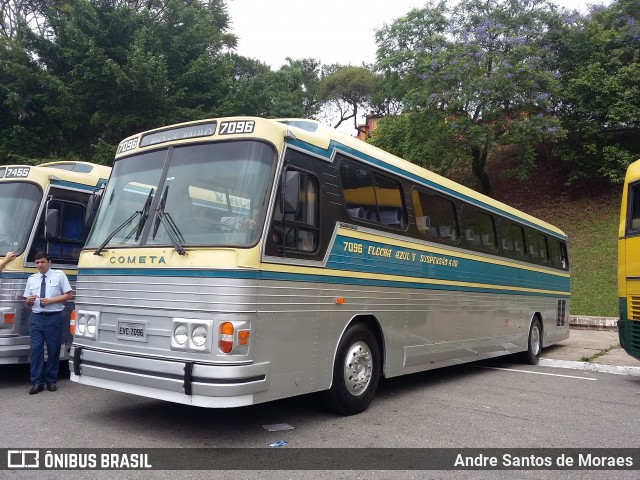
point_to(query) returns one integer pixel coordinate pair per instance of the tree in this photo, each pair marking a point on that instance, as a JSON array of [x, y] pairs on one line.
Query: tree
[[346, 90], [600, 80], [483, 67], [96, 71]]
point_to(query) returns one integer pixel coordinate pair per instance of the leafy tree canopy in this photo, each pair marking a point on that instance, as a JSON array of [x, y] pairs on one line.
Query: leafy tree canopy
[[485, 66], [600, 87]]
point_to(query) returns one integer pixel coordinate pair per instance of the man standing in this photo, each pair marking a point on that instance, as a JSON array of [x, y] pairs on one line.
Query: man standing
[[46, 292]]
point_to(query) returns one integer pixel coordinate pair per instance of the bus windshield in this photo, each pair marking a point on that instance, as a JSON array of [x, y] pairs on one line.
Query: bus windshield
[[211, 194], [20, 201]]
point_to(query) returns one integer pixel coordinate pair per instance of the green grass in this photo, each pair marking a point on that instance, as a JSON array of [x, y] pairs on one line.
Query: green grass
[[591, 223], [602, 352]]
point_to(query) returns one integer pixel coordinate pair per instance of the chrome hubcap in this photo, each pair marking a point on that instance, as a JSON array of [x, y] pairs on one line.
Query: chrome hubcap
[[358, 368], [535, 340]]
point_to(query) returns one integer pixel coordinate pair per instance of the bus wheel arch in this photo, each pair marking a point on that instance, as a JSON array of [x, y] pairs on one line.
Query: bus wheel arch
[[534, 340], [357, 367]]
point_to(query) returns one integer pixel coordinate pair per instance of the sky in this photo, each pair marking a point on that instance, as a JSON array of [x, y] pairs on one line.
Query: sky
[[331, 31]]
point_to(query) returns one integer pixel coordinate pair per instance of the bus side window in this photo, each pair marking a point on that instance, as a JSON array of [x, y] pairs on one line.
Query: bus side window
[[479, 229], [537, 247], [435, 216], [512, 239], [298, 231], [372, 197], [634, 201], [558, 254]]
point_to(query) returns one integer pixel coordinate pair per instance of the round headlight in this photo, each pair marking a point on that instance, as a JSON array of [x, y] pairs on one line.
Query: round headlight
[[91, 326], [81, 326], [180, 334], [199, 336]]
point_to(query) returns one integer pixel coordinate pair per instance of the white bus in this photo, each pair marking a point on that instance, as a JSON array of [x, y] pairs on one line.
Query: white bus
[[240, 260], [41, 208]]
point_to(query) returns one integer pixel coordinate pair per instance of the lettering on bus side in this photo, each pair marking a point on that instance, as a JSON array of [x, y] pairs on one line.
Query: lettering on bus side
[[398, 254], [138, 260], [353, 247]]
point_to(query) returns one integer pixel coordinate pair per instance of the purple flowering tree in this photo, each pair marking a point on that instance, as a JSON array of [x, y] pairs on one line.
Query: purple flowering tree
[[485, 67]]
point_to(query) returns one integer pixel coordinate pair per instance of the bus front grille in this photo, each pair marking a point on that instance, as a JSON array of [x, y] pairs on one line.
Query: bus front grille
[[634, 308]]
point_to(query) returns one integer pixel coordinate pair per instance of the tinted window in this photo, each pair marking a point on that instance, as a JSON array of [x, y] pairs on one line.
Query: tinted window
[[435, 216], [558, 251], [634, 200], [479, 229], [371, 197], [537, 247], [299, 230], [511, 239]]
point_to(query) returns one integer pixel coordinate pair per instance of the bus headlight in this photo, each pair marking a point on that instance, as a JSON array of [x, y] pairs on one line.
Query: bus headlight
[[199, 336], [81, 325], [193, 335], [91, 326], [87, 324], [180, 334]]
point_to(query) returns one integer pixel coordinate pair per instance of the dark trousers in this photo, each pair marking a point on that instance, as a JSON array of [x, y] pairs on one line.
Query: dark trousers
[[45, 329]]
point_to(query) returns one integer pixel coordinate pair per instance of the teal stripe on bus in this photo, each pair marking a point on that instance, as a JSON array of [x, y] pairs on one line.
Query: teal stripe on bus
[[82, 186], [379, 258], [301, 277]]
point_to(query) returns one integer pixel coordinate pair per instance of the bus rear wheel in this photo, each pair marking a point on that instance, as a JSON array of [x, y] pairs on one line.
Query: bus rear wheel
[[356, 372], [534, 343]]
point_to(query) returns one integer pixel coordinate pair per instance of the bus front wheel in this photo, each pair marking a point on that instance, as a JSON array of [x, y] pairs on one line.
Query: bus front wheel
[[534, 343], [356, 372]]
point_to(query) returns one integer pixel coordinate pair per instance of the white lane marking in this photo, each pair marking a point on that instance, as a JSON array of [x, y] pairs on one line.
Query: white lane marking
[[537, 373]]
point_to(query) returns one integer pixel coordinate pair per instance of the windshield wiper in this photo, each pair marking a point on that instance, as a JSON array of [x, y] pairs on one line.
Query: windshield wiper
[[172, 229], [144, 213]]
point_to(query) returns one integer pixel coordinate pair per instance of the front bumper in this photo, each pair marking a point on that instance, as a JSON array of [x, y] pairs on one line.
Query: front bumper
[[179, 381]]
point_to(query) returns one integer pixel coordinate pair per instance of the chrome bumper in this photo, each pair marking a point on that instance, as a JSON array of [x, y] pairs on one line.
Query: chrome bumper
[[172, 380]]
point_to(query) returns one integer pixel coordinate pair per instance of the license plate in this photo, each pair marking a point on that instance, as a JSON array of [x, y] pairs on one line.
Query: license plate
[[132, 331]]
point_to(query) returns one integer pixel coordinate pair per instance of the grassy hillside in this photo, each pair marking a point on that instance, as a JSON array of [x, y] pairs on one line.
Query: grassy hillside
[[589, 216]]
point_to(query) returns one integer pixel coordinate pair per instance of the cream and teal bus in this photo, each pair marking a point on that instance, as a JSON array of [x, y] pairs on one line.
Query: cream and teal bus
[[235, 261], [42, 208], [629, 263]]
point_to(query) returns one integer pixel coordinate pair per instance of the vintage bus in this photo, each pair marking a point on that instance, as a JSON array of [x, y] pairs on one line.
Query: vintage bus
[[41, 208], [629, 263], [240, 260]]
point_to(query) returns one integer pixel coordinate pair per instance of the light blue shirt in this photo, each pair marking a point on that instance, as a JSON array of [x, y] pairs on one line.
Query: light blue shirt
[[57, 284]]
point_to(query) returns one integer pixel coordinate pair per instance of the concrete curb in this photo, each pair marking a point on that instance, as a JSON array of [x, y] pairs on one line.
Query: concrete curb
[[594, 323]]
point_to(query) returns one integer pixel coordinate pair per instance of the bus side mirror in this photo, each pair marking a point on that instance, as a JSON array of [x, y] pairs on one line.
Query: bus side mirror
[[51, 223], [92, 207], [291, 191]]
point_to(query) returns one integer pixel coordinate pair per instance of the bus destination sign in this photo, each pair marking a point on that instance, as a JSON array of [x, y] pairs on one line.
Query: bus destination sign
[[192, 131]]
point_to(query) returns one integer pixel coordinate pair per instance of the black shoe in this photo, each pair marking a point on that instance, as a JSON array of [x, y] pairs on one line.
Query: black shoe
[[52, 387], [36, 389]]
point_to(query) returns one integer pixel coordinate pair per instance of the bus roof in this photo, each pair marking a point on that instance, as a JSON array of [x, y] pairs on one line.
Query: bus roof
[[82, 173], [633, 171], [326, 139]]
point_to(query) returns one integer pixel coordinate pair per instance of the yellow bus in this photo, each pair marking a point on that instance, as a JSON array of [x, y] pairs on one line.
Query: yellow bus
[[41, 208], [629, 263], [238, 260]]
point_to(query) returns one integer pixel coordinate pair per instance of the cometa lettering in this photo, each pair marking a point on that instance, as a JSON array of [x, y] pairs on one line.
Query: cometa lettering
[[138, 260]]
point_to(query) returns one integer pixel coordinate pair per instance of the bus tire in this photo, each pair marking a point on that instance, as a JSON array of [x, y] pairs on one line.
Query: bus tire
[[356, 372], [534, 343]]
